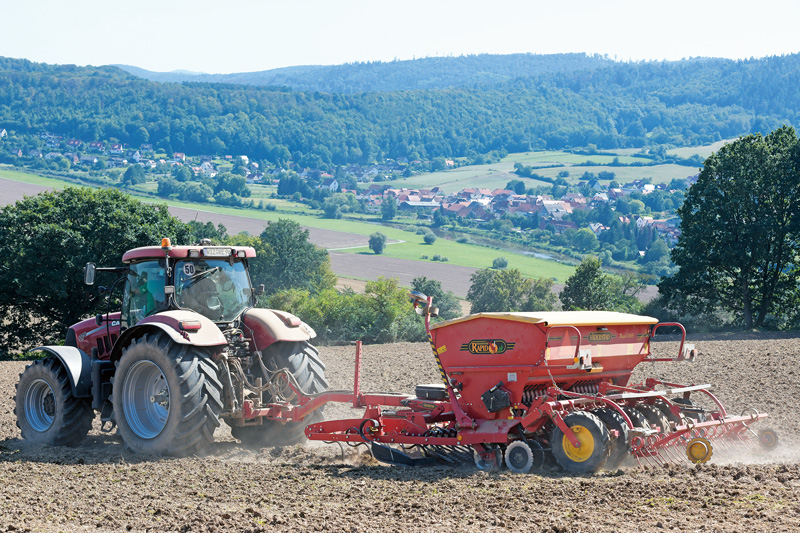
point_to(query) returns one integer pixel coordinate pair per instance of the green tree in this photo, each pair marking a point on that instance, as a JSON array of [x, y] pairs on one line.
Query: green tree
[[585, 240], [182, 173], [518, 186], [388, 208], [739, 231], [200, 231], [46, 240], [500, 263], [507, 290], [588, 288], [133, 175], [377, 242], [290, 261], [447, 302], [429, 237]]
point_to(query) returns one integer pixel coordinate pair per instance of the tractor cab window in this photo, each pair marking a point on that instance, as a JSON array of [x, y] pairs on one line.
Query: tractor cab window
[[215, 288], [144, 291]]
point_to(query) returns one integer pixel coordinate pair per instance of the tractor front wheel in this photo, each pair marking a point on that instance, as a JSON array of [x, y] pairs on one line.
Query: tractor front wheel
[[594, 444], [167, 397], [47, 412]]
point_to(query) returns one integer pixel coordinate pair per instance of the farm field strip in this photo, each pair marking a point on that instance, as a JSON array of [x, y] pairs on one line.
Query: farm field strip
[[253, 222]]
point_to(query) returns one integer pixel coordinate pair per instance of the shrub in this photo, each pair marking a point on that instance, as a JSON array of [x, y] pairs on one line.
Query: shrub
[[500, 263], [429, 238]]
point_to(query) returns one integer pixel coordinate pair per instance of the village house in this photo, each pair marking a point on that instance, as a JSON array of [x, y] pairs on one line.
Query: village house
[[330, 183]]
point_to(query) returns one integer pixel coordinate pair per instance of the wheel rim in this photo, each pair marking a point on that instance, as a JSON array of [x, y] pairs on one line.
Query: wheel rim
[[40, 405], [768, 438], [146, 399], [586, 439], [519, 457], [699, 450]]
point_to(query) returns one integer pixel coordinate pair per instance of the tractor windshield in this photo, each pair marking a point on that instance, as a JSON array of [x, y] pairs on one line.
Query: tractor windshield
[[214, 288]]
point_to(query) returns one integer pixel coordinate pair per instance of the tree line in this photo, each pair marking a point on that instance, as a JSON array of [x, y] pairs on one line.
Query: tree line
[[608, 106]]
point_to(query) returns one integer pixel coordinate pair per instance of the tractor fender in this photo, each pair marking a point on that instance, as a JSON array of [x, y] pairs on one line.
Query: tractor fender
[[78, 365], [269, 326], [170, 323]]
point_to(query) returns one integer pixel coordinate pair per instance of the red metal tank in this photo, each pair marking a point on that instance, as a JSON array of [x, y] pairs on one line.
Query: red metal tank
[[529, 352]]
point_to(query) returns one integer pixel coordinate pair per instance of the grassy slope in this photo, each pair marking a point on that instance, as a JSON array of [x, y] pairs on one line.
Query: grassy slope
[[497, 175]]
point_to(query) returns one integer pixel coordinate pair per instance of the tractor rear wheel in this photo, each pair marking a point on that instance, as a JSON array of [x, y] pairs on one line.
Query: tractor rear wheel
[[619, 447], [302, 360], [46, 410], [593, 451], [166, 397]]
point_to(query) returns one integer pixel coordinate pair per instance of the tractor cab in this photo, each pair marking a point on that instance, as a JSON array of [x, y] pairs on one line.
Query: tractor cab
[[210, 280]]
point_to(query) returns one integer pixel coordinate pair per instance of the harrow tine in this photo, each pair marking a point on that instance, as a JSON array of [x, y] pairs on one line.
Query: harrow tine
[[672, 453]]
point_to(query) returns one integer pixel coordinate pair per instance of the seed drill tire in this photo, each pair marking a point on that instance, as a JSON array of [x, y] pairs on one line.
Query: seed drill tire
[[620, 446], [46, 410], [638, 419], [193, 404], [303, 361], [654, 416], [678, 420], [601, 441]]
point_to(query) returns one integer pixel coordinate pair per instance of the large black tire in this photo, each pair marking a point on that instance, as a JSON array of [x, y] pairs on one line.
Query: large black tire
[[595, 440], [664, 407], [167, 397], [638, 419], [46, 410], [303, 361], [654, 416], [621, 445]]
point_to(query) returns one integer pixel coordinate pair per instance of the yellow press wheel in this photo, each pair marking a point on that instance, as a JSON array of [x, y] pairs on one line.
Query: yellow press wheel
[[699, 450], [594, 439], [768, 438]]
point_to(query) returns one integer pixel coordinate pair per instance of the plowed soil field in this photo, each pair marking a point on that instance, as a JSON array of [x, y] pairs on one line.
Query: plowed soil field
[[99, 486]]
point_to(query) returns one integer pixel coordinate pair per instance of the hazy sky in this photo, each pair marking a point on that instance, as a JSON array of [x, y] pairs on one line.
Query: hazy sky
[[224, 36]]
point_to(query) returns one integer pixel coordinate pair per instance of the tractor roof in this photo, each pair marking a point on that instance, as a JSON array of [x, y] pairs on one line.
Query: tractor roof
[[560, 318], [205, 251]]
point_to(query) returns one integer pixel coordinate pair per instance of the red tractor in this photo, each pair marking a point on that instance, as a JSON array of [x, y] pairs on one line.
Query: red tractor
[[187, 349]]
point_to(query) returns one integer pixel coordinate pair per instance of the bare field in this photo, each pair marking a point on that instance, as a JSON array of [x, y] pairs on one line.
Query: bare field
[[99, 486]]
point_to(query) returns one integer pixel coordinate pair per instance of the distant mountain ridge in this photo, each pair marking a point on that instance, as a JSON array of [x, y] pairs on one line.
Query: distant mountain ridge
[[363, 113], [484, 70]]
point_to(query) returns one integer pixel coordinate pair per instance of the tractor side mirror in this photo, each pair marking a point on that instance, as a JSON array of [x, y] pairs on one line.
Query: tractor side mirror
[[89, 272], [259, 290]]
